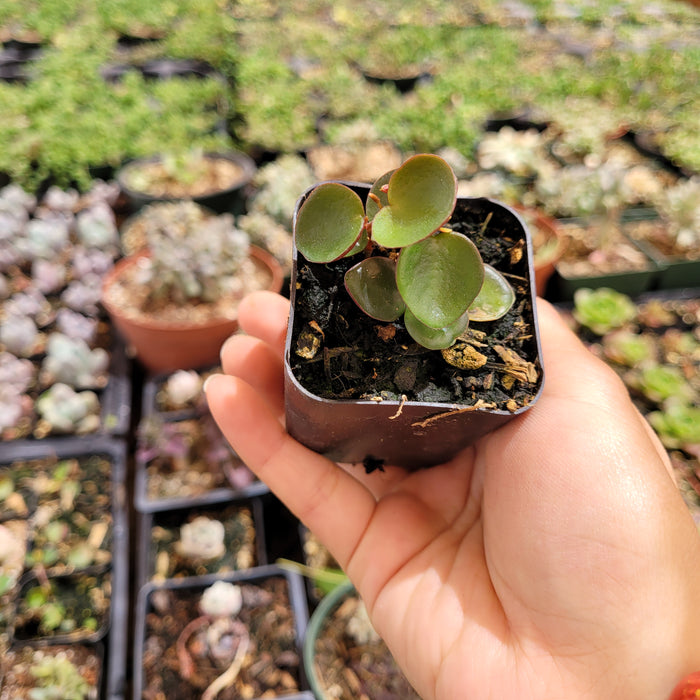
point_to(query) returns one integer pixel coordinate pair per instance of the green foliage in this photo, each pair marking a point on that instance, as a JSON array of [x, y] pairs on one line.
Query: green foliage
[[58, 679], [628, 348], [603, 309], [662, 382], [429, 273], [678, 426]]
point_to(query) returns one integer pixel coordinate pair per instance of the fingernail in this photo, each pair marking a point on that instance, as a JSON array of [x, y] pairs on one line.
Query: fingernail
[[207, 381]]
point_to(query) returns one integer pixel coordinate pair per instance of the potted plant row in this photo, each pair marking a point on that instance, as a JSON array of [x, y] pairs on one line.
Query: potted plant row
[[429, 297], [64, 583], [62, 369], [174, 297]]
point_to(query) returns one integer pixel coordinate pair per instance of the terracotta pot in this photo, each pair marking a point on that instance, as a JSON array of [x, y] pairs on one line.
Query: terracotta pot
[[163, 346], [412, 433], [548, 229]]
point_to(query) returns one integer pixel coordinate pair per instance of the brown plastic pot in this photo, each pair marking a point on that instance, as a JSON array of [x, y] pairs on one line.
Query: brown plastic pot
[[164, 347], [407, 434]]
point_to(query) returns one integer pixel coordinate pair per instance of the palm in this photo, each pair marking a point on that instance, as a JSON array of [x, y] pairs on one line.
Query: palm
[[487, 576]]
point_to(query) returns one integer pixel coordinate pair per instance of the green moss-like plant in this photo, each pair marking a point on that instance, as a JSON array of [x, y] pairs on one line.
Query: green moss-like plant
[[413, 265]]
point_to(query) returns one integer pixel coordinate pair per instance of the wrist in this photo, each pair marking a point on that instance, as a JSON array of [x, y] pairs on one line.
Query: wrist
[[688, 688]]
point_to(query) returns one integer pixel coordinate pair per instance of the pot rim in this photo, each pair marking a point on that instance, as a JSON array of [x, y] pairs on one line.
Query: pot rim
[[239, 157]]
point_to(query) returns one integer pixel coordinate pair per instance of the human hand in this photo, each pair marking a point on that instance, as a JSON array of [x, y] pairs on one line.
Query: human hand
[[554, 558]]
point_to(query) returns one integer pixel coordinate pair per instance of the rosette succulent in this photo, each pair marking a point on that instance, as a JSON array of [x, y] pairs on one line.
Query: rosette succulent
[[603, 309], [413, 265]]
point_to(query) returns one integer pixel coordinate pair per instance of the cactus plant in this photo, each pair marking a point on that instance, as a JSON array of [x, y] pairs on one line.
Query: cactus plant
[[436, 279]]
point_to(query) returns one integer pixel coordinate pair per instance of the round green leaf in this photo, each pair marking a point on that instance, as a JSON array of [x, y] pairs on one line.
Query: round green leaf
[[439, 278], [422, 195], [372, 205], [329, 223], [372, 286], [435, 338], [495, 297]]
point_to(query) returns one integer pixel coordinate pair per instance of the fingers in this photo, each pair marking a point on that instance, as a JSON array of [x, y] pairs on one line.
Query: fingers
[[258, 364], [264, 315], [327, 499]]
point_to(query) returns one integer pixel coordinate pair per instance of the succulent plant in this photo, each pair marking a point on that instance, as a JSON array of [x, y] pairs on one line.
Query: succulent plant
[[16, 372], [201, 538], [14, 198], [91, 261], [183, 387], [678, 425], [84, 295], [194, 255], [64, 410], [44, 238], [76, 325], [221, 599], [630, 349], [661, 383], [12, 551], [603, 309], [96, 227], [437, 279], [279, 185], [57, 200], [16, 409], [266, 232], [520, 153], [48, 276], [58, 678], [680, 206], [19, 335], [72, 362]]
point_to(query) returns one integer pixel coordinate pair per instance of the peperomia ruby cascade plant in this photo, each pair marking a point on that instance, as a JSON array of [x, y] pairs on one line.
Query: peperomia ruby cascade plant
[[412, 263]]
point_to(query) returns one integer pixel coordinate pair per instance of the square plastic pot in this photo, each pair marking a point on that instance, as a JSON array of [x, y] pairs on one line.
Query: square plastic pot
[[191, 588], [412, 434]]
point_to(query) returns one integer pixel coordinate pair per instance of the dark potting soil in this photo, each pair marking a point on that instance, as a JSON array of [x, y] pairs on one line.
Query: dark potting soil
[[357, 357], [185, 653]]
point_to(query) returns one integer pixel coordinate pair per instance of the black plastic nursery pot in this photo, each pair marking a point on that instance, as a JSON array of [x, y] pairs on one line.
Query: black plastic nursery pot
[[103, 585], [632, 281], [231, 199], [160, 556], [169, 657], [425, 411]]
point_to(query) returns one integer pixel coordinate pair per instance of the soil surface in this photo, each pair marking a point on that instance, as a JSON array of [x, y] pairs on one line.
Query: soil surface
[[353, 663], [585, 257], [180, 666], [357, 357], [205, 176]]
